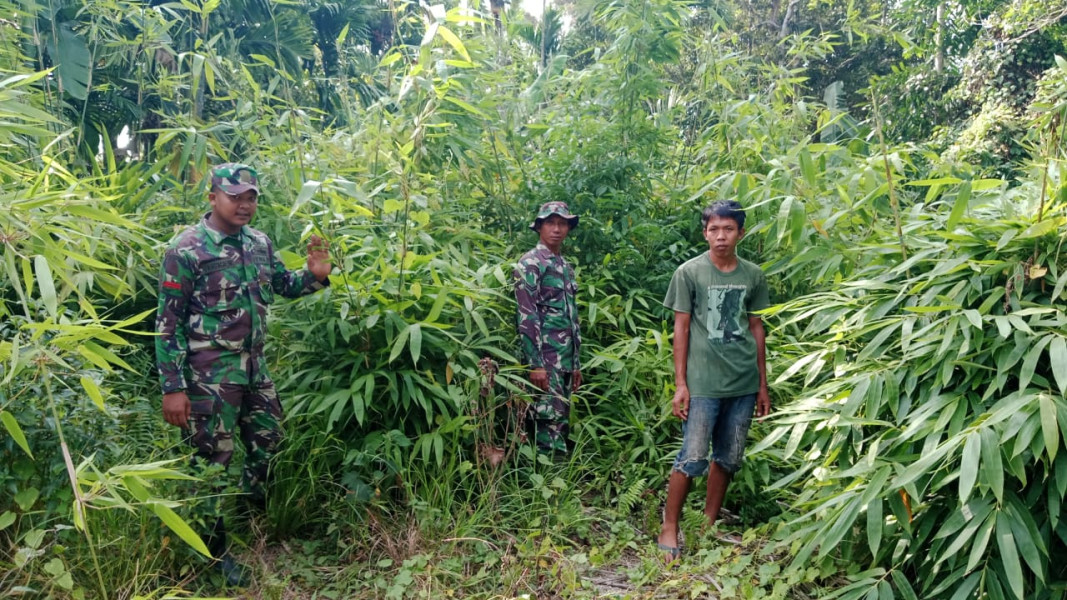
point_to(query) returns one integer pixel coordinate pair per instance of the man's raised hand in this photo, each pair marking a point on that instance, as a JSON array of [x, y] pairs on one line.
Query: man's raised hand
[[319, 258]]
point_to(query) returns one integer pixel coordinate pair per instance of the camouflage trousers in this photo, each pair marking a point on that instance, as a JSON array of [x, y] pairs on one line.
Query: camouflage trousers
[[550, 412], [253, 412]]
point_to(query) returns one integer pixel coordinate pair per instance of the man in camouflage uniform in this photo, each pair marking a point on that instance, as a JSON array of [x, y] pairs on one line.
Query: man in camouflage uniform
[[545, 291], [217, 279]]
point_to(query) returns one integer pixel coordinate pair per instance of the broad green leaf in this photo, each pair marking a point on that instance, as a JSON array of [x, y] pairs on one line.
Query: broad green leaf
[[307, 191], [963, 199], [136, 488], [1026, 373], [13, 429], [107, 355], [784, 224], [992, 470], [1039, 229], [933, 309], [416, 342], [104, 216], [875, 525], [340, 39], [1057, 352], [26, 498], [971, 516], [1009, 555], [1006, 238], [1049, 427], [91, 388], [981, 541], [180, 527], [46, 284], [939, 181], [840, 526], [398, 345], [6, 519], [466, 106], [1027, 538], [390, 57], [807, 167], [903, 586], [454, 41], [965, 589], [972, 451], [70, 52]]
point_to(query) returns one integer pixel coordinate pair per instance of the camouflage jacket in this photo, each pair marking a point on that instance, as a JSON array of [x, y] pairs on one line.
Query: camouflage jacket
[[545, 291], [213, 295]]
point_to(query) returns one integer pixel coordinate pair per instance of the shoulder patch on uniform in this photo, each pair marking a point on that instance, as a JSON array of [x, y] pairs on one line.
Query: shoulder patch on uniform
[[174, 285]]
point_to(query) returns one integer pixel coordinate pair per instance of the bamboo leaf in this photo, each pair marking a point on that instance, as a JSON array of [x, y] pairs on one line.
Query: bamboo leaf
[[1027, 538], [466, 106], [992, 470], [1026, 373], [874, 525], [94, 392], [1057, 352], [903, 586], [454, 41], [981, 541], [307, 191], [46, 284], [398, 345], [1050, 429], [963, 199], [416, 342], [972, 451], [180, 527], [1009, 555], [15, 431]]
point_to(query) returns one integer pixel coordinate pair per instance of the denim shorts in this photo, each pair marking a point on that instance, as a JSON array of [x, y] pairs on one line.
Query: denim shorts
[[721, 423]]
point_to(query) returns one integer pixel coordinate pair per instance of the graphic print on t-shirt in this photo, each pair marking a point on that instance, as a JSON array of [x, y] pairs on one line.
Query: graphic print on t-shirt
[[726, 305]]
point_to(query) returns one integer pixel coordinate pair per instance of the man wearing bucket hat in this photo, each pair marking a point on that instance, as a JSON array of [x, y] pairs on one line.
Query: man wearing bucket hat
[[217, 279], [545, 291]]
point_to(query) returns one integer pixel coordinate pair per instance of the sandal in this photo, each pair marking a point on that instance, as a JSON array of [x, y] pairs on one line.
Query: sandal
[[672, 551]]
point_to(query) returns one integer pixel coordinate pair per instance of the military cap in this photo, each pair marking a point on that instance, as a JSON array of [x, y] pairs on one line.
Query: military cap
[[554, 208], [234, 178]]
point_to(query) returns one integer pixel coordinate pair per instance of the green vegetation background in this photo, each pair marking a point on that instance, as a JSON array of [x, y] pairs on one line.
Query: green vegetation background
[[903, 165]]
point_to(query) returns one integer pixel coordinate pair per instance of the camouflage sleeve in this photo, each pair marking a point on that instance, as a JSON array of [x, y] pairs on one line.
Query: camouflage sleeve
[[176, 280], [527, 281], [292, 284], [577, 344], [577, 328]]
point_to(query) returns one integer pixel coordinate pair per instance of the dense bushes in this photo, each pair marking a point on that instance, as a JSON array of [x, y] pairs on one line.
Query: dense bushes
[[920, 398]]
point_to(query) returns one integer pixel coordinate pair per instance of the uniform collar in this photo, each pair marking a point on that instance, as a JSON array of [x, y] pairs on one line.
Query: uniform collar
[[217, 236], [543, 251]]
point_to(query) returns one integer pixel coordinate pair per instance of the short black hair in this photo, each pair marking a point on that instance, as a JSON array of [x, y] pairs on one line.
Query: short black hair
[[730, 209]]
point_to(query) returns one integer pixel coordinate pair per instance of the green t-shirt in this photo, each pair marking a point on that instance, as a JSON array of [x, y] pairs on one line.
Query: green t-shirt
[[722, 351]]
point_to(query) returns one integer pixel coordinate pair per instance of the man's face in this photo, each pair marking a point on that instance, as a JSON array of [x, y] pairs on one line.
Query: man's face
[[722, 234], [233, 211], [553, 230]]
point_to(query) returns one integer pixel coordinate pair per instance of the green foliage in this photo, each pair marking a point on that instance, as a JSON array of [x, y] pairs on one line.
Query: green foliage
[[919, 372], [930, 403]]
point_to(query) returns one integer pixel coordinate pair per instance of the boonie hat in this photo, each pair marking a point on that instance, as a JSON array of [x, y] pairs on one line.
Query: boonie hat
[[554, 208], [234, 178]]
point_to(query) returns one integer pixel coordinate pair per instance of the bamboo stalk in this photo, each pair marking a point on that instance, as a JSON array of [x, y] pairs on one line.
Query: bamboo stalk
[[889, 177]]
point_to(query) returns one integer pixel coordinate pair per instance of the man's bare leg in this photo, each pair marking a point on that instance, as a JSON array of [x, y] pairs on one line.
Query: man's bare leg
[[677, 489], [718, 481]]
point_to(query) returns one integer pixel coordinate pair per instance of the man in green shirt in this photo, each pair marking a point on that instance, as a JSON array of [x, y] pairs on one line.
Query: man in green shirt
[[719, 364]]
